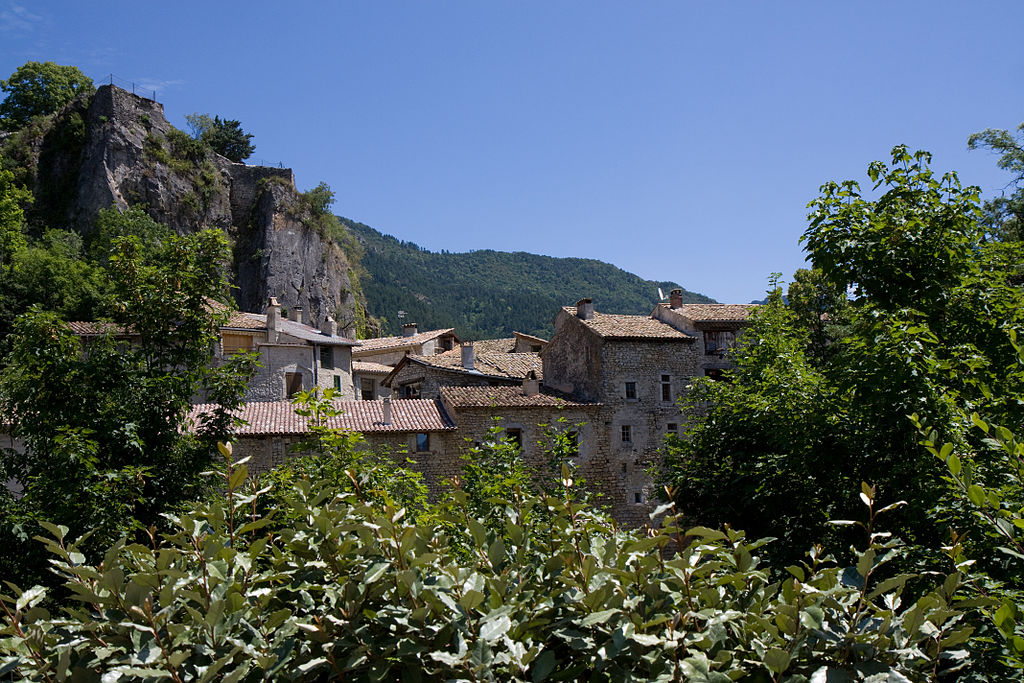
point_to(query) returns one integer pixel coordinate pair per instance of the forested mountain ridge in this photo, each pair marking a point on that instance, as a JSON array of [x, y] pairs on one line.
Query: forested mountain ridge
[[488, 294]]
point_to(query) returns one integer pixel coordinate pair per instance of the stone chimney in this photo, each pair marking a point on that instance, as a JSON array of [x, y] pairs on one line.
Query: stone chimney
[[330, 327], [409, 329], [585, 309], [675, 298], [468, 356], [386, 405], [295, 314], [273, 317], [531, 385]]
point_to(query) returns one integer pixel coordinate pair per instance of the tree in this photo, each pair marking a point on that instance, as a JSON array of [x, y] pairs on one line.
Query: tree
[[39, 88], [225, 136], [107, 447], [1004, 215], [12, 218]]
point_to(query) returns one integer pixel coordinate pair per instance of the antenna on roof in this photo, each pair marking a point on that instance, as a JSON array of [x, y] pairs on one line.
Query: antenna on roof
[[401, 314], [661, 294]]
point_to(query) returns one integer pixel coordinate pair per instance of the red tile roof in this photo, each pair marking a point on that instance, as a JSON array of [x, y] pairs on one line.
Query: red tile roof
[[501, 365], [639, 327], [86, 328], [382, 344], [371, 368], [505, 397], [279, 417], [716, 312]]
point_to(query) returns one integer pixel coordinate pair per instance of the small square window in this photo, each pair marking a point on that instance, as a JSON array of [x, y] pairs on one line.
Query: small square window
[[627, 434], [422, 442], [672, 428], [630, 390], [515, 436], [638, 497]]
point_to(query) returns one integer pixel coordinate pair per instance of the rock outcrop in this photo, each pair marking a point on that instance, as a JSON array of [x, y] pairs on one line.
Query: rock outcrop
[[118, 149]]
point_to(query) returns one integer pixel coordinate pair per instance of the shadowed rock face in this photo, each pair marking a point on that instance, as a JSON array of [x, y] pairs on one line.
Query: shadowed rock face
[[129, 155]]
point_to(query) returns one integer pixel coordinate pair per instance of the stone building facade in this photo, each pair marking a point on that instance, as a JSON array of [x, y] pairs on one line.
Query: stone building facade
[[418, 376]]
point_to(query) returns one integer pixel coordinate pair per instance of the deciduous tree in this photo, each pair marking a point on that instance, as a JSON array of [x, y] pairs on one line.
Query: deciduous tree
[[39, 88]]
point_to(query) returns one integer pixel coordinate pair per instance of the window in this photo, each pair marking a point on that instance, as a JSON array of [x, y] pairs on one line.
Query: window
[[337, 382], [422, 442], [366, 390], [234, 343], [715, 374], [672, 428], [666, 387], [410, 390], [638, 497], [716, 343], [327, 357], [292, 383], [627, 434], [630, 391], [515, 436], [535, 348]]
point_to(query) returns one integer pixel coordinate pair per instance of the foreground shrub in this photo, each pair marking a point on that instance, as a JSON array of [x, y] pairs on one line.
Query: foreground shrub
[[350, 589]]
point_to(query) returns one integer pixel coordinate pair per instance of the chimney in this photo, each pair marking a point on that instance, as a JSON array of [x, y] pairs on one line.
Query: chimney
[[585, 309], [330, 327], [349, 332], [273, 314], [409, 329], [386, 404], [295, 314], [468, 356], [675, 298], [531, 385]]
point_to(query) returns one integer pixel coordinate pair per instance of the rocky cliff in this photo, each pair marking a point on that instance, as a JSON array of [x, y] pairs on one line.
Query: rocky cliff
[[118, 149]]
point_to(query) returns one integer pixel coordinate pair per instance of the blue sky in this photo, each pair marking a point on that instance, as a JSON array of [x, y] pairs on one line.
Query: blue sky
[[678, 140]]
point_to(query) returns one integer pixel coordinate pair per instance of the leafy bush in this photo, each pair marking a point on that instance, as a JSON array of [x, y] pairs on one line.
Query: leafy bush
[[334, 584]]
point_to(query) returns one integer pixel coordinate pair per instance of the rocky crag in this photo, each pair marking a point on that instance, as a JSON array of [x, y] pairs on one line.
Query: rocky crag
[[118, 149]]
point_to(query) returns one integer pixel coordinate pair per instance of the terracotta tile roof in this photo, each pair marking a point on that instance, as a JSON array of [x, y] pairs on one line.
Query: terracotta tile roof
[[278, 417], [381, 344], [501, 365], [486, 346], [505, 397], [240, 320], [700, 313], [367, 367], [86, 328], [611, 326]]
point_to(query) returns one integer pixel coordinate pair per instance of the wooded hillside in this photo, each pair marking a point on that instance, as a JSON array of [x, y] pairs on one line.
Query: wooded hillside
[[488, 294]]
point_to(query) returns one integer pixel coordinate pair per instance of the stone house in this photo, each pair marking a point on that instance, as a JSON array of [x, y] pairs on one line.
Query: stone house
[[293, 356], [374, 360], [417, 376], [419, 430]]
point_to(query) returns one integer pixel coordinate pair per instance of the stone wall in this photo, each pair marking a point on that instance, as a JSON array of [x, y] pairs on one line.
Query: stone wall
[[431, 380], [278, 360], [572, 359]]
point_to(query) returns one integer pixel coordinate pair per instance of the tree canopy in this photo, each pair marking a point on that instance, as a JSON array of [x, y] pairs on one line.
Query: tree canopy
[[225, 136], [39, 88]]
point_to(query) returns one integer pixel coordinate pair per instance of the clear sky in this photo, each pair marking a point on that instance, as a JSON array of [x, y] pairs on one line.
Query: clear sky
[[678, 140]]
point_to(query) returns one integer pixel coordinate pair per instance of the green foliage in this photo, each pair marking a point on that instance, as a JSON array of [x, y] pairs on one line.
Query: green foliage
[[12, 217], [907, 248], [488, 294], [103, 425], [823, 389], [356, 591], [39, 89], [1004, 215], [341, 462], [111, 225], [224, 136]]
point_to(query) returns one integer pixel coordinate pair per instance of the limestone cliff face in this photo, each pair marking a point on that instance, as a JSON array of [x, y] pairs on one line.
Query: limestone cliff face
[[123, 152]]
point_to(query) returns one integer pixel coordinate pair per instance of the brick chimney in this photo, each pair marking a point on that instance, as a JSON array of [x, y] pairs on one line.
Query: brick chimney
[[468, 356], [330, 327], [531, 385], [409, 329], [675, 298], [585, 309], [273, 317], [386, 405]]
